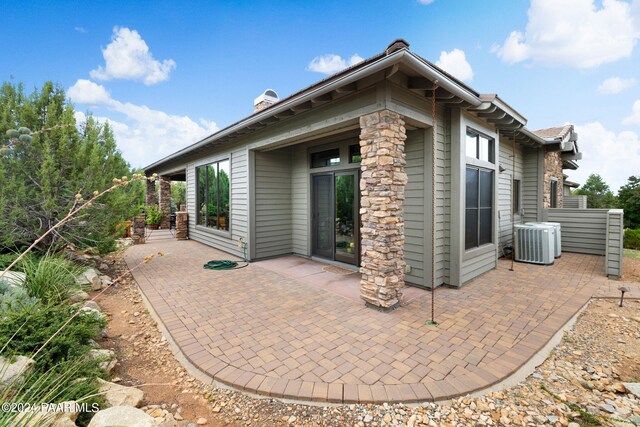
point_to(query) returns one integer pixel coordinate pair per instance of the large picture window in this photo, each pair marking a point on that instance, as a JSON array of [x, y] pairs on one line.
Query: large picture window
[[478, 207], [213, 195]]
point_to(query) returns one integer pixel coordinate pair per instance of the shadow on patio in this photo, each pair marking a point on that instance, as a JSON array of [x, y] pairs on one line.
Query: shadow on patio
[[267, 331]]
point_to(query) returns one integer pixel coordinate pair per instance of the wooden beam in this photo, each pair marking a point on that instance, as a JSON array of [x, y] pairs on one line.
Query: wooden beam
[[302, 107], [351, 87], [486, 113], [392, 70], [322, 99], [285, 113]]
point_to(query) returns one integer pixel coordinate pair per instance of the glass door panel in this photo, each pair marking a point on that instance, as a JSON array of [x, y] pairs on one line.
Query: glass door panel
[[323, 228], [346, 218]]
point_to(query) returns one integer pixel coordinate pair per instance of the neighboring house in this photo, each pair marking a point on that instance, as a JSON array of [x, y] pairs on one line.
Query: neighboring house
[[561, 152], [343, 171]]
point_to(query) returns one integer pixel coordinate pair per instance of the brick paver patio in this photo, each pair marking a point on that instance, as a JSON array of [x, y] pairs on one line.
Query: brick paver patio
[[263, 332]]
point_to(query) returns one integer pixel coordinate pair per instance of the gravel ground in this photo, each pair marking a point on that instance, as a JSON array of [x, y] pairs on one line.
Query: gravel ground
[[581, 383]]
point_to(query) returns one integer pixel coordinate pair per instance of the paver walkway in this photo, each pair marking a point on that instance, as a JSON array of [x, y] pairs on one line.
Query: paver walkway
[[261, 331]]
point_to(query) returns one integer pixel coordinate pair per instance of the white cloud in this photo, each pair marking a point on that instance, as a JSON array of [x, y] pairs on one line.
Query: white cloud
[[89, 93], [80, 30], [128, 57], [611, 155], [144, 135], [574, 33], [332, 63], [634, 118], [455, 63], [425, 1], [615, 85]]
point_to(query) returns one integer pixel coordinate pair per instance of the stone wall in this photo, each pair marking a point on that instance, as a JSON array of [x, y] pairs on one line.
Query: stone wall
[[552, 168], [164, 203], [382, 187]]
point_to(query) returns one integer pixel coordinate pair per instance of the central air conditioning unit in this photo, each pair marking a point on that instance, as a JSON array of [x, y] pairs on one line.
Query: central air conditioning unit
[[535, 244], [557, 238]]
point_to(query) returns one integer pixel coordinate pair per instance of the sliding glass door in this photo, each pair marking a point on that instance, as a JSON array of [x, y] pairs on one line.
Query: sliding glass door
[[335, 213]]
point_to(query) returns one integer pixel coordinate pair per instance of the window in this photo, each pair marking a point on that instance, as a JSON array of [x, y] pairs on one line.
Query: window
[[213, 195], [478, 207], [480, 147], [354, 154], [516, 196], [325, 158], [553, 193]]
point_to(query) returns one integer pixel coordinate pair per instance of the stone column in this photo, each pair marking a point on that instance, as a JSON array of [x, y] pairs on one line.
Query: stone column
[[182, 226], [164, 202], [382, 185], [138, 230], [151, 194]]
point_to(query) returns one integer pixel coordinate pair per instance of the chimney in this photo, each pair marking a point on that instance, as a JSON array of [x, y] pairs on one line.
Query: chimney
[[267, 99]]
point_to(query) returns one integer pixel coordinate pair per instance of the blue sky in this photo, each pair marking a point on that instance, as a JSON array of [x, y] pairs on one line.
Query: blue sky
[[166, 74]]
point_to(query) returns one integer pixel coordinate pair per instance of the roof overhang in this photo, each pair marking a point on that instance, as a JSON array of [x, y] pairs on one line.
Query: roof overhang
[[422, 74]]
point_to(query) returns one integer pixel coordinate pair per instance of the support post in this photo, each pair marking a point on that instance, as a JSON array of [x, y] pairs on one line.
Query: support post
[[382, 183]]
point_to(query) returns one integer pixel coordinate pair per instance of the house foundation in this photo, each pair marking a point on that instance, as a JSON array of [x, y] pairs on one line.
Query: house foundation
[[382, 185]]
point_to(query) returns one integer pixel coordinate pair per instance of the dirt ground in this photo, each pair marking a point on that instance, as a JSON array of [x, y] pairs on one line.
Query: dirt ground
[[144, 358], [581, 378], [631, 266]]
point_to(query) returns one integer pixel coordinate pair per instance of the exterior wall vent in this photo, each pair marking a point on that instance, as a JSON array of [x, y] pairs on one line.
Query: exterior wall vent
[[534, 244]]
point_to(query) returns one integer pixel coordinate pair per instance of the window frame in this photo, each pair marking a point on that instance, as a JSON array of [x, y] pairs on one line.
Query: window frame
[[199, 221], [478, 243], [471, 132], [553, 188], [516, 195]]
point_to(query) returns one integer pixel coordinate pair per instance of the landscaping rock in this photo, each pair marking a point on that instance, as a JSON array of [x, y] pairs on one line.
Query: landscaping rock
[[633, 388], [78, 296], [119, 395], [90, 310], [14, 278], [91, 277], [92, 305], [12, 372], [106, 281], [62, 415], [107, 359], [122, 416]]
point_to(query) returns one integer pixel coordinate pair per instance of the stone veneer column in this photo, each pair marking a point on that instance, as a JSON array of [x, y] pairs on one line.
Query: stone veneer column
[[382, 184], [151, 194], [552, 168], [164, 202]]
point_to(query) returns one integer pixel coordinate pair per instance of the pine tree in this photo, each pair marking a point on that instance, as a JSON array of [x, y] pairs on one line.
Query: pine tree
[[40, 178]]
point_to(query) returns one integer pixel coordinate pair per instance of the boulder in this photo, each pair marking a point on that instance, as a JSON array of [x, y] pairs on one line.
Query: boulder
[[59, 415], [119, 395], [13, 371], [633, 388], [92, 305], [122, 416], [107, 359], [91, 310], [91, 277], [78, 296], [14, 278]]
